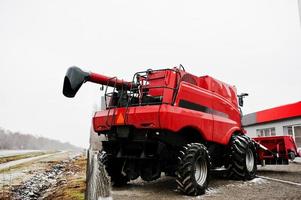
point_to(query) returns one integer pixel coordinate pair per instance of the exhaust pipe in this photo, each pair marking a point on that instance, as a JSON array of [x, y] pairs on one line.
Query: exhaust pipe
[[75, 77]]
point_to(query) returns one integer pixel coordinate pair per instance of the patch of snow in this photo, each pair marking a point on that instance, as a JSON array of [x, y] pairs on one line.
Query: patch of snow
[[297, 160], [258, 181], [211, 191], [35, 187], [105, 198], [247, 183]]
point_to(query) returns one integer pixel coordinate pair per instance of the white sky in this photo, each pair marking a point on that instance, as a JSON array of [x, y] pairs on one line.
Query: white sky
[[253, 44]]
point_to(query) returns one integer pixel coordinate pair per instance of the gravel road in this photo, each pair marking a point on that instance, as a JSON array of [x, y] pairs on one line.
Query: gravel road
[[258, 188]]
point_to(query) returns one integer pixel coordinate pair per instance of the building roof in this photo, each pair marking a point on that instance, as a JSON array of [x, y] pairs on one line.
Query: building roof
[[273, 114]]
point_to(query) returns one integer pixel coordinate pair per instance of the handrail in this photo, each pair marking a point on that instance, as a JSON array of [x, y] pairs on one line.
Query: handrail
[[109, 107], [144, 74]]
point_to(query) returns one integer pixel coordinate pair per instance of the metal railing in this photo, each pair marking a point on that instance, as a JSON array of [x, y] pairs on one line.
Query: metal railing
[[143, 89], [138, 93]]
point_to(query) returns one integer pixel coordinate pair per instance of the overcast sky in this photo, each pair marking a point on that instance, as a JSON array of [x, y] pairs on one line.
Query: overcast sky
[[253, 44]]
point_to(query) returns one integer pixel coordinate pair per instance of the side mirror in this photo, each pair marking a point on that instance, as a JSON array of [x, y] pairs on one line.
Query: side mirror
[[241, 98], [241, 102], [101, 88]]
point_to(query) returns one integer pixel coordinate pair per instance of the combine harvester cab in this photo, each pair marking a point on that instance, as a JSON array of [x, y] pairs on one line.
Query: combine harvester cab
[[276, 150]]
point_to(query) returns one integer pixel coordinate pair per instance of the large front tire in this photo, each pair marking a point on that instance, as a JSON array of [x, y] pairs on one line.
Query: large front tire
[[242, 158], [193, 169]]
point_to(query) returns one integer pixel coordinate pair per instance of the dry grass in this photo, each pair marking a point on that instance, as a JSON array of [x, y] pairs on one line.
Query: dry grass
[[21, 156], [4, 195], [74, 188]]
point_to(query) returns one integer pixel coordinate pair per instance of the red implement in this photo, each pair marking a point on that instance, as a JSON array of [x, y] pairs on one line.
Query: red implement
[[276, 149]]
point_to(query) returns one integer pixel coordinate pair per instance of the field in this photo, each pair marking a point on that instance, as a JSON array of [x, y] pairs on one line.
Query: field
[[61, 175]]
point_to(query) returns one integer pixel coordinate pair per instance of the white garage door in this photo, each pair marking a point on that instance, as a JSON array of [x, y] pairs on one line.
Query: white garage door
[[297, 133]]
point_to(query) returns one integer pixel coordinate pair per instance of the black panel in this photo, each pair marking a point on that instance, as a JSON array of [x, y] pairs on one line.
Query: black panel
[[201, 108], [194, 106]]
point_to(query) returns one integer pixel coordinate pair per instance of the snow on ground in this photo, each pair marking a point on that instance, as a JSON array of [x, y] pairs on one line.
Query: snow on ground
[[297, 160], [5, 153], [211, 191], [21, 161], [258, 181]]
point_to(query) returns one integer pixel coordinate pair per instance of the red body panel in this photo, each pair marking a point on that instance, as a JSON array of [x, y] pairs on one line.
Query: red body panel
[[164, 117], [205, 104], [174, 119], [139, 117]]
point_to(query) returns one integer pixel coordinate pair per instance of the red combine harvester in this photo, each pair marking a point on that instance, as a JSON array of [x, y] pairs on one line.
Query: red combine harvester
[[174, 122]]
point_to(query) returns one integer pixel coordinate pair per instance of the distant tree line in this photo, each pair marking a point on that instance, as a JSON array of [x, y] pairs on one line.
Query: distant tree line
[[16, 140]]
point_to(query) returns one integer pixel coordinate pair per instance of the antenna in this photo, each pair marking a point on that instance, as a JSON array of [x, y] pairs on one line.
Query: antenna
[[299, 6]]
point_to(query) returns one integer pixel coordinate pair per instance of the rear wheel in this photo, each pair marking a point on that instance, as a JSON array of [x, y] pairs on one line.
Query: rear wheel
[[242, 159], [193, 170], [291, 155], [150, 170], [114, 169]]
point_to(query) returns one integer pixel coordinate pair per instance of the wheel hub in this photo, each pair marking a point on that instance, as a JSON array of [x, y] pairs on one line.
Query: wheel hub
[[200, 173], [249, 160]]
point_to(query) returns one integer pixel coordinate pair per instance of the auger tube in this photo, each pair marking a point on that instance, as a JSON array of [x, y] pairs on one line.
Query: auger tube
[[75, 77]]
